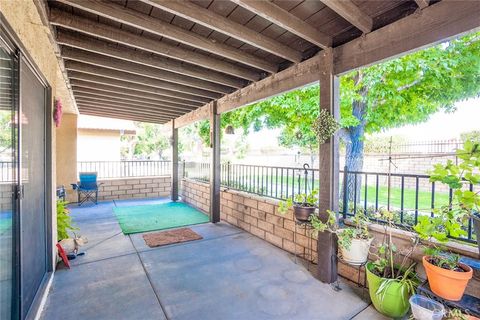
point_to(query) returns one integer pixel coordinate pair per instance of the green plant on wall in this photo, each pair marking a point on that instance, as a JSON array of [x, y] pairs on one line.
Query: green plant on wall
[[450, 219], [64, 221]]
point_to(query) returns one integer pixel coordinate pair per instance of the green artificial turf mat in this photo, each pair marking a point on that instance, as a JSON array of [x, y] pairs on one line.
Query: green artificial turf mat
[[135, 219]]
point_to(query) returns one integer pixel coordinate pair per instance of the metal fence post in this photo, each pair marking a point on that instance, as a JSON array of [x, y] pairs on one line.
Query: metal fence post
[[228, 173], [345, 192]]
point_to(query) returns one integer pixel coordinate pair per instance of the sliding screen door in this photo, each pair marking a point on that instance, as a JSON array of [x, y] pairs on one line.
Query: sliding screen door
[[8, 180], [33, 244]]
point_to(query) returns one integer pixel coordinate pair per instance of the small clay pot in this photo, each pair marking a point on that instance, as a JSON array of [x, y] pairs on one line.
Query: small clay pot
[[302, 213]]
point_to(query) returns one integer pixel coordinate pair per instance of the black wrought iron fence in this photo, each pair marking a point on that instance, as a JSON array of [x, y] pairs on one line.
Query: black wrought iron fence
[[410, 195], [273, 182], [125, 169]]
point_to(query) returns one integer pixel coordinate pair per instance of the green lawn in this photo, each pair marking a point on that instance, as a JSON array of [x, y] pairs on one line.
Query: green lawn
[[424, 198]]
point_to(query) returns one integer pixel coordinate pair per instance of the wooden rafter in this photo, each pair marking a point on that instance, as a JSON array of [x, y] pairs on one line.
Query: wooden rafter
[[108, 89], [184, 83], [122, 97], [352, 13], [158, 27], [106, 32], [287, 21], [133, 78], [79, 93], [210, 19], [159, 110], [88, 110], [108, 49], [98, 79]]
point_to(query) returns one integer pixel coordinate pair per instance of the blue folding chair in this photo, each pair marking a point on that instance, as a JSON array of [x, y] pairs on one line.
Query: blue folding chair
[[87, 187]]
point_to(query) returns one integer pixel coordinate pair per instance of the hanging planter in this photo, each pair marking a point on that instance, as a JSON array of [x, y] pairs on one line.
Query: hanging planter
[[325, 126], [57, 112]]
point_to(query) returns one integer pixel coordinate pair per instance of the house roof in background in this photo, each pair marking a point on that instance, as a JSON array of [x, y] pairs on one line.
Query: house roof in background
[[101, 123]]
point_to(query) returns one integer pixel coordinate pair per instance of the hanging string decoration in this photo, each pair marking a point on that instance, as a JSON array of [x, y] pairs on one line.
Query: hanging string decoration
[[57, 112], [325, 126]]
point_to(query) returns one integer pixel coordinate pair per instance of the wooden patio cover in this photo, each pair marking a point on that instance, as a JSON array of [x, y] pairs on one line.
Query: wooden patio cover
[[158, 60]]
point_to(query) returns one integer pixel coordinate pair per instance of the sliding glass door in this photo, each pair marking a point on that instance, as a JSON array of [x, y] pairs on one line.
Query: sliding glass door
[[25, 228], [8, 180]]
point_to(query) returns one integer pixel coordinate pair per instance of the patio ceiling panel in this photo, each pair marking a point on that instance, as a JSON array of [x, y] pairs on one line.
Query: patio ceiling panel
[[142, 70], [121, 97], [183, 55], [154, 112], [118, 91], [117, 99]]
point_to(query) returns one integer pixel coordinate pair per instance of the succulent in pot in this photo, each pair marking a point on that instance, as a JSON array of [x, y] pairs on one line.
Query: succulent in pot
[[303, 205]]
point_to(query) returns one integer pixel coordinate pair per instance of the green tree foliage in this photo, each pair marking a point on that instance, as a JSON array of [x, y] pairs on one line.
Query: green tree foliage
[[395, 93], [149, 140]]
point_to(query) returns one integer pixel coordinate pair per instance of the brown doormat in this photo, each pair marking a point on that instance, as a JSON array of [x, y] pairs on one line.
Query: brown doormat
[[163, 238]]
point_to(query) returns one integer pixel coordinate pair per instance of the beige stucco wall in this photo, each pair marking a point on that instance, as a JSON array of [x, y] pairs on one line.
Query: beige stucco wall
[[67, 153], [24, 18], [98, 145]]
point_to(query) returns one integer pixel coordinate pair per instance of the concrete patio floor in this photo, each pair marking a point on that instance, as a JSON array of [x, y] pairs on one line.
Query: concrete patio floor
[[229, 274]]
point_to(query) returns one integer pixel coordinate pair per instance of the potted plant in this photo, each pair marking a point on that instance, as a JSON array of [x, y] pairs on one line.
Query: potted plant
[[461, 177], [64, 221], [303, 205], [390, 283], [354, 243], [447, 277]]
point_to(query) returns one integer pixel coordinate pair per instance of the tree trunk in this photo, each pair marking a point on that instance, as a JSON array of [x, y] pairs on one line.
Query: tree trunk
[[354, 151]]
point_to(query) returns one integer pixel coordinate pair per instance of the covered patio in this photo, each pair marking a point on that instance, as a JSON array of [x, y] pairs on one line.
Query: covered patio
[[175, 63], [229, 274]]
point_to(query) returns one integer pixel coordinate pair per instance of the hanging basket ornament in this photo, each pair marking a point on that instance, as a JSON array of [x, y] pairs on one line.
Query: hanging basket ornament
[[57, 112], [325, 126]]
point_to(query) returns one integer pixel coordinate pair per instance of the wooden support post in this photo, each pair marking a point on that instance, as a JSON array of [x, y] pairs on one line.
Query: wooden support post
[[328, 171], [215, 165], [174, 162]]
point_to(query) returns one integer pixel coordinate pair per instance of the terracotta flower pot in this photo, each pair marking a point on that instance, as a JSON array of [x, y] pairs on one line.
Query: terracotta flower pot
[[445, 283], [302, 213]]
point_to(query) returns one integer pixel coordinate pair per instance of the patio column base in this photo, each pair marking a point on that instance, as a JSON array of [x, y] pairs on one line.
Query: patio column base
[[327, 257]]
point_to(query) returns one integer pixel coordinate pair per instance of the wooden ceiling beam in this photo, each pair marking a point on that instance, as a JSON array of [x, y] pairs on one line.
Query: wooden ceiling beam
[[122, 84], [352, 13], [173, 70], [125, 106], [127, 98], [176, 91], [79, 93], [212, 20], [158, 27], [137, 112], [437, 23], [108, 89], [200, 87], [119, 115], [92, 28], [287, 21]]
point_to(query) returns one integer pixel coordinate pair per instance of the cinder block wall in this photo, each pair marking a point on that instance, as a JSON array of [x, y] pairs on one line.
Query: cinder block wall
[[260, 217], [254, 214], [128, 188]]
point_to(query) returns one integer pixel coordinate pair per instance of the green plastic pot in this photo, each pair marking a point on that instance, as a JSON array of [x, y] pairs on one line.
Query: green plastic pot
[[393, 302]]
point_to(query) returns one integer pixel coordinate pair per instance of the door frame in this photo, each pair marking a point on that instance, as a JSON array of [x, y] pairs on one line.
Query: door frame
[[11, 40]]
